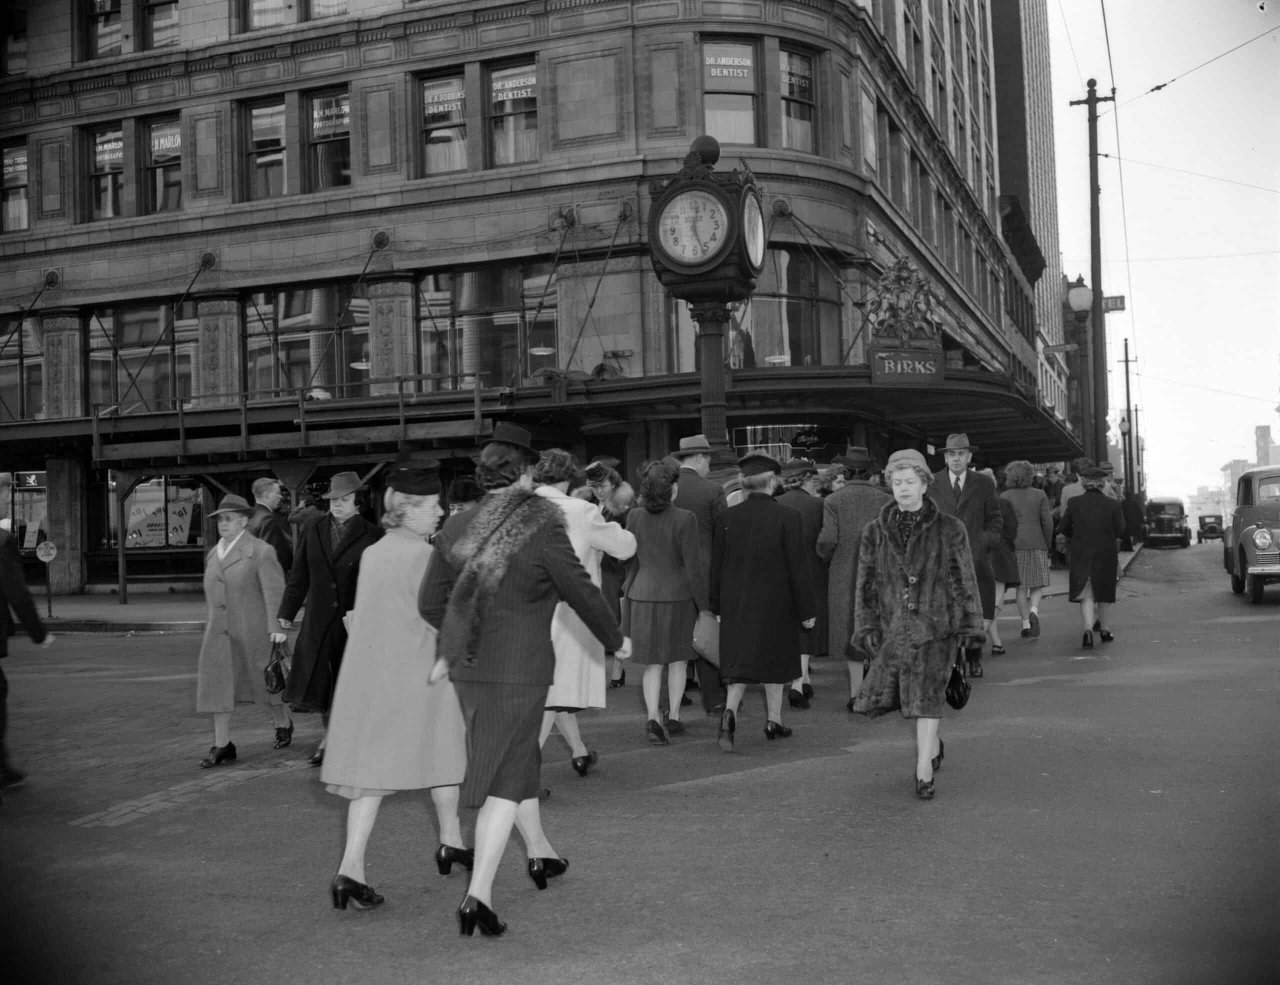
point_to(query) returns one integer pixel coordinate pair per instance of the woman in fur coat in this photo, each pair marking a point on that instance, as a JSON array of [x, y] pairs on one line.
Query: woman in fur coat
[[916, 602]]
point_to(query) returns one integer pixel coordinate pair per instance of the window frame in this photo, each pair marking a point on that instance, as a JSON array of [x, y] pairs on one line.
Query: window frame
[[787, 99], [247, 15], [151, 170], [314, 144], [7, 190], [97, 18], [491, 117], [95, 175], [146, 9], [252, 154], [13, 45], [426, 127], [731, 90]]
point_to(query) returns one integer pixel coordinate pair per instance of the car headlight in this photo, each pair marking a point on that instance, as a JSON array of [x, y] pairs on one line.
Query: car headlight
[[1263, 540]]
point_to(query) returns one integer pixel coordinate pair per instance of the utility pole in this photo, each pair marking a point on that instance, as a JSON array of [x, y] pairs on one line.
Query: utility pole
[[1137, 445], [1095, 274], [1129, 429]]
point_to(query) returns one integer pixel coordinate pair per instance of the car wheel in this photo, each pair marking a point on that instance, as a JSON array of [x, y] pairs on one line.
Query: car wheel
[[1237, 582], [1253, 586]]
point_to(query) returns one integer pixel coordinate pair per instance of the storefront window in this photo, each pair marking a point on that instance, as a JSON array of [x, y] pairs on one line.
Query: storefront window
[[729, 88], [159, 512], [21, 371], [29, 516], [314, 339], [141, 357], [439, 337]]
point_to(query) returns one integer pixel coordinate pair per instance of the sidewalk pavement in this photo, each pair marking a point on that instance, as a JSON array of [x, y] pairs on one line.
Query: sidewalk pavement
[[184, 612]]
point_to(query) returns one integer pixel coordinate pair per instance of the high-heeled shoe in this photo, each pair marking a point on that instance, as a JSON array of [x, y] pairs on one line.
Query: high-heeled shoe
[[344, 890], [728, 725], [657, 736], [924, 789], [542, 869], [1106, 635], [619, 681], [807, 689], [218, 755], [316, 758], [446, 855], [472, 914], [937, 760], [583, 764], [849, 704], [1087, 640], [284, 737], [776, 730], [797, 699], [975, 668]]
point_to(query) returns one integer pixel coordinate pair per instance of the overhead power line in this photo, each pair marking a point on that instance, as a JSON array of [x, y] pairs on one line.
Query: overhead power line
[[1209, 389], [1200, 256], [1070, 45], [1197, 174], [1169, 82]]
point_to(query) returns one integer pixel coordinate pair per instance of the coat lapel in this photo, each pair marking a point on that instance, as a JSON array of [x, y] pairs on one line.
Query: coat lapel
[[352, 532], [234, 556]]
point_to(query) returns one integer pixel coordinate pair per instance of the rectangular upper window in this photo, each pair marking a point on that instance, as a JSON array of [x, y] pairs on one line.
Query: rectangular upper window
[[13, 43], [444, 125], [160, 23], [163, 165], [266, 13], [799, 113], [265, 159], [513, 114], [106, 171], [730, 84], [317, 9], [13, 189], [103, 29], [329, 143]]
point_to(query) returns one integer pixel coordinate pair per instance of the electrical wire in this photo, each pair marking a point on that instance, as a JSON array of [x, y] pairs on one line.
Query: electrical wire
[[1202, 256], [1207, 389], [1196, 174], [1183, 75], [1070, 45]]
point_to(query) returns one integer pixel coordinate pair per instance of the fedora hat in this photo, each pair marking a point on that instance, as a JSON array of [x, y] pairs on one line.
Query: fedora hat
[[959, 442], [343, 484], [696, 445], [856, 457], [513, 434], [233, 504]]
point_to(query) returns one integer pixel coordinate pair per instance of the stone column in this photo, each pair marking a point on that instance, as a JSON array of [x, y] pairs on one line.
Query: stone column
[[218, 352], [391, 332], [65, 495], [61, 334]]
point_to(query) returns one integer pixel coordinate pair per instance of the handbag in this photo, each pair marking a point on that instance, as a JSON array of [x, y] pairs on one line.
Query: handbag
[[276, 672], [706, 638], [958, 687]]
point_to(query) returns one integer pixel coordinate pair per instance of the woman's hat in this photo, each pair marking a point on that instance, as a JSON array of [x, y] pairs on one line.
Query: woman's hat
[[513, 434], [855, 458], [758, 463], [798, 468], [233, 504], [908, 456], [1093, 473], [343, 484], [415, 474]]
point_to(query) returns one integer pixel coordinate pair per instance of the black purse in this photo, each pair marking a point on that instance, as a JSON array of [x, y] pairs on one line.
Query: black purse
[[276, 672], [958, 687]]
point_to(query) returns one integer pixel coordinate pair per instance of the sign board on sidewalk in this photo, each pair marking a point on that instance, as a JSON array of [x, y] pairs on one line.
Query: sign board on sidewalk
[[46, 551]]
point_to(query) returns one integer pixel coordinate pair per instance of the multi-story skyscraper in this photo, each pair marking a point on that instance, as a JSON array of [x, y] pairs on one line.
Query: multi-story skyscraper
[[242, 237]]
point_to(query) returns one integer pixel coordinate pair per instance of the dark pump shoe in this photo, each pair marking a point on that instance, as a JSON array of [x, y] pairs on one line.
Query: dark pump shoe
[[446, 855], [924, 789], [1087, 640], [727, 727], [776, 730], [1035, 623], [937, 760], [807, 689], [1106, 635], [284, 736], [619, 681], [542, 869], [657, 735], [673, 726], [472, 914], [797, 699], [583, 764], [975, 668], [316, 758], [218, 755], [344, 890]]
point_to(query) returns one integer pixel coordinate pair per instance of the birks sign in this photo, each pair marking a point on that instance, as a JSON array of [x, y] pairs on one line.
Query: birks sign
[[906, 367]]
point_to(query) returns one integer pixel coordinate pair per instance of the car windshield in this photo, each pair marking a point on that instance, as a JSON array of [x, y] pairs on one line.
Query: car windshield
[[1164, 509]]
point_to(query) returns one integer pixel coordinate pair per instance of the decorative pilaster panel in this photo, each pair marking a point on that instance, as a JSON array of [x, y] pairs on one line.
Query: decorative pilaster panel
[[61, 340], [65, 523], [391, 331], [218, 353]]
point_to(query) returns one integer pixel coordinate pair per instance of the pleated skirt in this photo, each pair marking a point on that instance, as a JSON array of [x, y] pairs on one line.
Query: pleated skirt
[[503, 758]]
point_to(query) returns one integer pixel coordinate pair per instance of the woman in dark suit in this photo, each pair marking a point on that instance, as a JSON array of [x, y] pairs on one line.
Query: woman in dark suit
[[665, 590], [491, 590], [1093, 523]]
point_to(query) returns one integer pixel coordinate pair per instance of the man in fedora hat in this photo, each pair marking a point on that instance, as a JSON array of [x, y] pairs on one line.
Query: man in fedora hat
[[267, 524], [844, 515], [970, 496], [800, 476], [324, 575], [706, 501]]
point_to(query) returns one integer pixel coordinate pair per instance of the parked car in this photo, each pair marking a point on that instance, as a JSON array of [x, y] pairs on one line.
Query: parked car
[[1167, 523], [1210, 528], [1251, 547]]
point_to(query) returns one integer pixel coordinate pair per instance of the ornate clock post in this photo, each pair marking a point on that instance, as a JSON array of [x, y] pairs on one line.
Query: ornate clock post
[[707, 244]]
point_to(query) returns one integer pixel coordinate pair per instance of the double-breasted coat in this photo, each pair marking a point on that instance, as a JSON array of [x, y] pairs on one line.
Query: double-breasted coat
[[844, 515], [324, 576], [580, 669], [243, 593], [916, 602], [813, 641], [761, 590], [1093, 522], [979, 511]]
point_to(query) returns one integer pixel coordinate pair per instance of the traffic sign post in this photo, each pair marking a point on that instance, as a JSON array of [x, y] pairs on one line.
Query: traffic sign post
[[46, 551]]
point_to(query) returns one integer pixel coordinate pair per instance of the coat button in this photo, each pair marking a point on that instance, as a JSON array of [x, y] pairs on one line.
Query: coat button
[[911, 606], [912, 580]]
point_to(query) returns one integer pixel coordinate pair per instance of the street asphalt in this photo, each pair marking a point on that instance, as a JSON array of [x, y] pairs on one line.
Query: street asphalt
[[1104, 816]]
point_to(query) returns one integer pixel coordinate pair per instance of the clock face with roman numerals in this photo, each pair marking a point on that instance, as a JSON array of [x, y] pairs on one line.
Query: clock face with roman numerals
[[693, 228]]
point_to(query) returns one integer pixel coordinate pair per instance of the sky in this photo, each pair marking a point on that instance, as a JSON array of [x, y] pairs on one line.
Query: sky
[[1200, 270]]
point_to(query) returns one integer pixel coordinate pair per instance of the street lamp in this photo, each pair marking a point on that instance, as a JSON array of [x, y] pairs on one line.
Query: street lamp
[[1128, 453], [1080, 301]]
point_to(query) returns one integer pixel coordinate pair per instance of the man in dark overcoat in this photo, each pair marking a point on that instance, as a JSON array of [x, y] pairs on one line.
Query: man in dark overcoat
[[761, 590], [324, 576], [268, 525], [802, 480], [705, 500], [14, 599], [970, 496], [844, 515]]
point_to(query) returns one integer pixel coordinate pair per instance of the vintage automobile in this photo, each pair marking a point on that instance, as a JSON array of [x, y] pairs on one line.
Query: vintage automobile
[[1167, 523], [1251, 547], [1210, 527]]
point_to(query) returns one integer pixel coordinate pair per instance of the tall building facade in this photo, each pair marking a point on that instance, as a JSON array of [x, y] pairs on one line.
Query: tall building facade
[[248, 237]]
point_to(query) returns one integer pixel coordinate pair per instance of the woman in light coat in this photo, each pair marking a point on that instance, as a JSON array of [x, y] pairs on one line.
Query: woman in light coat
[[243, 583], [580, 657], [391, 728]]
